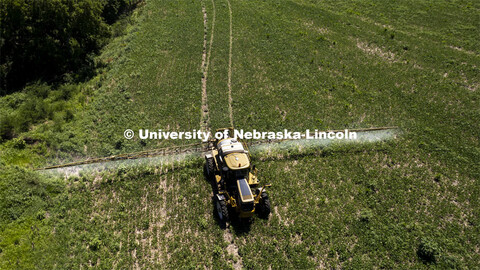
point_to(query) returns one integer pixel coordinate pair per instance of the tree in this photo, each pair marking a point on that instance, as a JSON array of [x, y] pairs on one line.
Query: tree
[[45, 39]]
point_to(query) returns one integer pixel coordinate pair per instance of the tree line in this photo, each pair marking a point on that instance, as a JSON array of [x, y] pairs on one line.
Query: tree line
[[42, 40]]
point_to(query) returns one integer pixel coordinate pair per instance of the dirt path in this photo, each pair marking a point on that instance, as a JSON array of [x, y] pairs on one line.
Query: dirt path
[[232, 249], [205, 120], [230, 101]]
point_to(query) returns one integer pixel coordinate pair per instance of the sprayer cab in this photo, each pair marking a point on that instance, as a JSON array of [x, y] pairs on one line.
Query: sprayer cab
[[228, 165]]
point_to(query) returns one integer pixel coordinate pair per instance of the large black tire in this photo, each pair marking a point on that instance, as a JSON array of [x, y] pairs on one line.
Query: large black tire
[[263, 206], [222, 210], [210, 167]]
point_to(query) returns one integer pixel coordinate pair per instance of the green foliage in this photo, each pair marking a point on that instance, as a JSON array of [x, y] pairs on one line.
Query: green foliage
[[145, 224], [45, 39], [35, 104], [366, 215], [26, 198], [428, 250], [203, 223], [95, 243], [113, 9], [296, 65], [23, 192], [217, 251]]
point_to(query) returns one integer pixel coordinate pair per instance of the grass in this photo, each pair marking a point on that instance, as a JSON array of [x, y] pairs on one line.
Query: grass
[[365, 210], [411, 203], [326, 212], [155, 72]]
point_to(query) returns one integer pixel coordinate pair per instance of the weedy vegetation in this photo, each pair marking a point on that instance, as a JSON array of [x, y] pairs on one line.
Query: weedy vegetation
[[408, 203]]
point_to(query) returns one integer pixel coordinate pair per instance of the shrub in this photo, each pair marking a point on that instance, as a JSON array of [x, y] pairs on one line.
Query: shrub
[[18, 143], [217, 251], [203, 223], [95, 243], [6, 128], [428, 250], [366, 215]]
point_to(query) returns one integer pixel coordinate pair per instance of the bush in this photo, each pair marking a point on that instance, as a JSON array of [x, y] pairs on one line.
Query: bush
[[366, 215], [428, 250], [217, 251], [95, 243], [114, 9], [36, 103]]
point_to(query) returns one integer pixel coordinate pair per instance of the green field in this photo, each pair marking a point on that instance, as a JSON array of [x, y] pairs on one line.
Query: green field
[[410, 203]]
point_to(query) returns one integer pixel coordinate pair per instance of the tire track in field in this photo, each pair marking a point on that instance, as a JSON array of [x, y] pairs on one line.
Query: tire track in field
[[205, 120], [232, 248], [230, 101]]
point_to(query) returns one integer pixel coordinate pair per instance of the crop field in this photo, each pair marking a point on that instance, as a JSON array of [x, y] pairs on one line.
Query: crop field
[[411, 202]]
